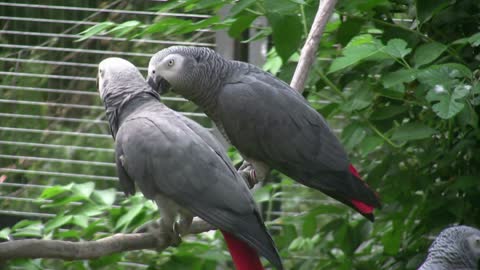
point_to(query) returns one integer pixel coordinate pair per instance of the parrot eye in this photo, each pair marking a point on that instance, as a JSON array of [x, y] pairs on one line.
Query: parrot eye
[[170, 62], [101, 72]]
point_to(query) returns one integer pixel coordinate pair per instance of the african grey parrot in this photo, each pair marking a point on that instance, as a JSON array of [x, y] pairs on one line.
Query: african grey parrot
[[178, 164], [454, 248], [270, 123]]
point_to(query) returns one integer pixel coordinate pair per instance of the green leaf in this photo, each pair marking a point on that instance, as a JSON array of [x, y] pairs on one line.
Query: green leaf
[[296, 244], [286, 34], [27, 228], [360, 48], [241, 24], [106, 261], [105, 197], [5, 233], [188, 28], [309, 226], [26, 223], [397, 48], [273, 63], [412, 131], [68, 234], [124, 28], [392, 240], [369, 144], [398, 77], [444, 75], [55, 190], [426, 9], [80, 220], [387, 112], [89, 209], [239, 7], [352, 135], [359, 100], [263, 194], [468, 116], [348, 29], [283, 7], [448, 104], [96, 29], [57, 222], [83, 190], [126, 219], [165, 24], [427, 53], [474, 40], [63, 201]]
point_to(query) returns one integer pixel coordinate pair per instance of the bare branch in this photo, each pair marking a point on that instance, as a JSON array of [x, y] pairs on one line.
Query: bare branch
[[67, 250], [325, 10]]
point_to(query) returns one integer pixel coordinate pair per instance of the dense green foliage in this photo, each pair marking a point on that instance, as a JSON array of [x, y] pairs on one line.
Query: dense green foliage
[[402, 82]]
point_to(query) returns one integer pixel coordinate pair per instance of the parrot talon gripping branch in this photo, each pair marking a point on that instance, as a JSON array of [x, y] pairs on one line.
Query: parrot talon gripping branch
[[266, 120], [179, 165]]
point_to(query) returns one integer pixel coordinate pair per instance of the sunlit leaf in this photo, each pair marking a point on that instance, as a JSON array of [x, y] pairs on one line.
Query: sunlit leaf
[[57, 222], [396, 48], [105, 196], [95, 30], [448, 104]]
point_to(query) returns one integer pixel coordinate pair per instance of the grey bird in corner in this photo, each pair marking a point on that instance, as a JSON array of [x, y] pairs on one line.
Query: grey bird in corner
[[271, 124], [176, 162], [455, 248]]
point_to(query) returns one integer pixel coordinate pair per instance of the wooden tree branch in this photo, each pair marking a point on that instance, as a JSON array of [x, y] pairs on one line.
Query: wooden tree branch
[[307, 56], [67, 250]]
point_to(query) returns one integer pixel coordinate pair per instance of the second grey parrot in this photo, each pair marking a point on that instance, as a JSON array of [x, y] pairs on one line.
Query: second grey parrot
[[271, 124], [179, 165], [454, 248]]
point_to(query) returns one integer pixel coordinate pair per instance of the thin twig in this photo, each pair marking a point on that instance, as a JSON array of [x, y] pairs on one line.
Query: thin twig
[[307, 57]]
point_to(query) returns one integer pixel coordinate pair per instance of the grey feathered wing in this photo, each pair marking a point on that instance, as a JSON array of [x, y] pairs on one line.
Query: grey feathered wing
[[164, 156], [268, 121]]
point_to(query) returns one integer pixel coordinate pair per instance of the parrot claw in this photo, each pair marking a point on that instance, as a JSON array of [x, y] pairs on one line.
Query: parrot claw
[[249, 177], [247, 171], [160, 231]]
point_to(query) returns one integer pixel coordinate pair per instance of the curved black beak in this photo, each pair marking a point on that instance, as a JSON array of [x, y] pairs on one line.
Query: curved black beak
[[158, 84]]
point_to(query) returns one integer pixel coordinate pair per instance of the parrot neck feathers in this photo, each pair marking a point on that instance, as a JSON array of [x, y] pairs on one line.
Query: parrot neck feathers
[[116, 106]]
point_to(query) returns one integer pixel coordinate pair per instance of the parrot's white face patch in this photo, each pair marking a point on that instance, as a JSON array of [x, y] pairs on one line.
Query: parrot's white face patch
[[170, 67], [474, 243]]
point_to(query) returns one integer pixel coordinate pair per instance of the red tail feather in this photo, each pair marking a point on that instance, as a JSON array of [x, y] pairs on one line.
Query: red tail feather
[[354, 171], [362, 207], [244, 257]]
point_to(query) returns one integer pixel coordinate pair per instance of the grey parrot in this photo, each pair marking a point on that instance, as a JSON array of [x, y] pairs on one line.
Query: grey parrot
[[454, 248], [178, 164], [271, 124]]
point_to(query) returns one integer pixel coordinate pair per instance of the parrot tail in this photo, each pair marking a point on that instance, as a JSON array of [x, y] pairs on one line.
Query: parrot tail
[[244, 257], [362, 207]]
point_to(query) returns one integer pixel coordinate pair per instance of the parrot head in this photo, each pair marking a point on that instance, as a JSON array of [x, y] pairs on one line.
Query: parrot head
[[179, 68], [459, 244], [117, 75]]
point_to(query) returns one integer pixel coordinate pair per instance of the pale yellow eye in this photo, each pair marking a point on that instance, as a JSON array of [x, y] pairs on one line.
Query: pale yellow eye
[[170, 62]]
